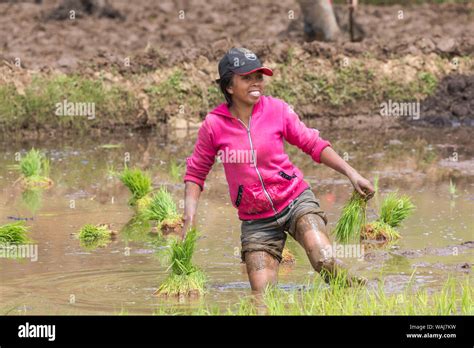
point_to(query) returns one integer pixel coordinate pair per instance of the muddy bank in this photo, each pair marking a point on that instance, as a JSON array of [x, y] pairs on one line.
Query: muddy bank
[[209, 27], [153, 67], [452, 104]]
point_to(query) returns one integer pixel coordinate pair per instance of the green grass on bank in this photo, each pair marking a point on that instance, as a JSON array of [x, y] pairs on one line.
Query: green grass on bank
[[38, 106], [180, 94]]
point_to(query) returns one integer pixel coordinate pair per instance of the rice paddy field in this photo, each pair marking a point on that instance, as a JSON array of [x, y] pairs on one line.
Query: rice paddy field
[[426, 271]]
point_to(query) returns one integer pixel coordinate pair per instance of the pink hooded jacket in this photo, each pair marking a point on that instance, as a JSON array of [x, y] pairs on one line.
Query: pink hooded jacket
[[262, 180]]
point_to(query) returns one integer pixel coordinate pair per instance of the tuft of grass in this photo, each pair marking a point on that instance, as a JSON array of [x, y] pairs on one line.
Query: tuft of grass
[[185, 279], [162, 208], [395, 209], [352, 219], [138, 182], [35, 168], [14, 233], [94, 236], [30, 164]]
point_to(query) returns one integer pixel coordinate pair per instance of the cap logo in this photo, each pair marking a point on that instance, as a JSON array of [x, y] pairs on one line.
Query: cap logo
[[250, 56]]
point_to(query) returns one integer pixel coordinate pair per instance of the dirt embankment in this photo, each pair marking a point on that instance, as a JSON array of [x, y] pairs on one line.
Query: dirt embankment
[[151, 40]]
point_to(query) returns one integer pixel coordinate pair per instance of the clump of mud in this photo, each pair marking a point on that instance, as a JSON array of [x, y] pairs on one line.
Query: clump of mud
[[451, 105], [81, 8]]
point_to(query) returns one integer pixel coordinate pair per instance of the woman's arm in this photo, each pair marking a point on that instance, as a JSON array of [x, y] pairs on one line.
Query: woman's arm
[[330, 158]]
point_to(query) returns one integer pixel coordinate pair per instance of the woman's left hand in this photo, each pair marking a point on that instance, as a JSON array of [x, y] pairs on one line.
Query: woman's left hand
[[362, 185]]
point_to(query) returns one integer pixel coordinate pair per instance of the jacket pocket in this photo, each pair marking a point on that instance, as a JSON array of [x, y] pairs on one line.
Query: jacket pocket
[[239, 195], [286, 176]]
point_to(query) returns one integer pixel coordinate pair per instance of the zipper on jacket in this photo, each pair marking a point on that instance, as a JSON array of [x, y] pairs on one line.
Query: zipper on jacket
[[255, 164]]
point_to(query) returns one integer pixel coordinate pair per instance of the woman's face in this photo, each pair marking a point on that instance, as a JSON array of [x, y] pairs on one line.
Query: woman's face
[[247, 88]]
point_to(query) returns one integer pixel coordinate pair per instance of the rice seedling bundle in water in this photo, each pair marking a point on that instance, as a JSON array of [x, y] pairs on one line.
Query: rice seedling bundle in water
[[163, 209], [185, 279], [94, 236], [139, 184], [34, 167], [393, 211], [14, 234], [352, 219]]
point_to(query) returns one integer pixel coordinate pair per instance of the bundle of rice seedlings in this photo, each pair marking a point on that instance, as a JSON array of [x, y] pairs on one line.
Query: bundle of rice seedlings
[[185, 278], [139, 184], [352, 219], [163, 210], [14, 233], [287, 256], [34, 167], [94, 236], [393, 211]]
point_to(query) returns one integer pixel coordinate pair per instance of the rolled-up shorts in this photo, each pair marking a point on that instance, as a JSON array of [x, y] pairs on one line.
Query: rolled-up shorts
[[269, 234]]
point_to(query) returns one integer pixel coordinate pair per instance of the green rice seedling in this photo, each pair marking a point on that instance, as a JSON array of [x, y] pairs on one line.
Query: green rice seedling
[[163, 210], [14, 234], [139, 184], [453, 298], [111, 146], [176, 170], [395, 209], [376, 184], [94, 236], [452, 188], [185, 279], [352, 219], [35, 168]]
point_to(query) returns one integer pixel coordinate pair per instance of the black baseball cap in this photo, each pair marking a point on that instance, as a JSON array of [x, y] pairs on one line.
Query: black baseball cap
[[241, 61]]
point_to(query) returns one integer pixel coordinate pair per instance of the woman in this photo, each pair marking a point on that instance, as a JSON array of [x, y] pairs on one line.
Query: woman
[[269, 192]]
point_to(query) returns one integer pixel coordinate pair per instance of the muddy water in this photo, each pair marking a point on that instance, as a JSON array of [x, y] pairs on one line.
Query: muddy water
[[121, 278]]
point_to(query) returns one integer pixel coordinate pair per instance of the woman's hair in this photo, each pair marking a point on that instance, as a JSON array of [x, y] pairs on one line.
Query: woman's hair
[[225, 82]]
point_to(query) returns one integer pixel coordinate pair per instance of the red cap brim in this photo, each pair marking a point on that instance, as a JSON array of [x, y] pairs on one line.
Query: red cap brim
[[264, 70]]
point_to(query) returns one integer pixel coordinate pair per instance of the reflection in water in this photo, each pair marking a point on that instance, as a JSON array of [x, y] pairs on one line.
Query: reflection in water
[[123, 276], [32, 198]]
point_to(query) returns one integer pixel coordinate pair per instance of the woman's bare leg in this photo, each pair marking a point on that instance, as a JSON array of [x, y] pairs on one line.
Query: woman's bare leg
[[262, 269], [311, 234]]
